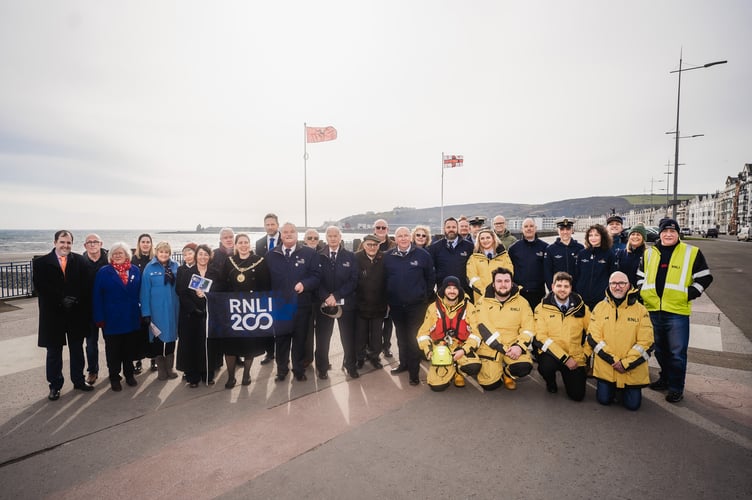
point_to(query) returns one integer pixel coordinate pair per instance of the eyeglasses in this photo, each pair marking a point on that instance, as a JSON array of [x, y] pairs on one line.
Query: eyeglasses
[[618, 283], [92, 242], [499, 223], [421, 235], [380, 227], [312, 238]]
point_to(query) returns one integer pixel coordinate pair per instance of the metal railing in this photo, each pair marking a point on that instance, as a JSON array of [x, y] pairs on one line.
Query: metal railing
[[15, 280]]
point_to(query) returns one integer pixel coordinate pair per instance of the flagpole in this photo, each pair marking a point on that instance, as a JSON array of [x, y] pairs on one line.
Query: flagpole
[[441, 222], [305, 175]]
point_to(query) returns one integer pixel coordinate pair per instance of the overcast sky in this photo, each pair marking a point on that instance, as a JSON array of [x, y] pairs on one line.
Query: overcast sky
[[149, 114]]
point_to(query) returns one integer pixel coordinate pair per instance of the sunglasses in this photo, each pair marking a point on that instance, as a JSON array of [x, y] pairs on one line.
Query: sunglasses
[[312, 238], [380, 227], [421, 235]]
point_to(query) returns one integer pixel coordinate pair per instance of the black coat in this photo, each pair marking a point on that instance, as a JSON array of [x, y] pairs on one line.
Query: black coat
[[55, 318]]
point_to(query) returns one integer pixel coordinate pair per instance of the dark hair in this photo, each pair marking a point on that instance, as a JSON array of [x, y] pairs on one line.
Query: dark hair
[[501, 270], [606, 240], [63, 232], [448, 219], [272, 216], [562, 276], [205, 248]]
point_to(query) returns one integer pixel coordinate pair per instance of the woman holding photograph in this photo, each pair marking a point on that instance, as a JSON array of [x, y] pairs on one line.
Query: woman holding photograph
[[194, 349], [243, 271], [160, 308]]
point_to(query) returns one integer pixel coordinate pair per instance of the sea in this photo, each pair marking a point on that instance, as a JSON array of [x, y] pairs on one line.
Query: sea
[[14, 242]]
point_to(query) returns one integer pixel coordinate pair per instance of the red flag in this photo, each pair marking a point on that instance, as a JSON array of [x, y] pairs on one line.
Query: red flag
[[320, 134], [452, 161]]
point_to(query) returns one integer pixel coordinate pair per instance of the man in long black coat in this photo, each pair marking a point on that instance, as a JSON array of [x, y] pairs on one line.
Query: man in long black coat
[[60, 281]]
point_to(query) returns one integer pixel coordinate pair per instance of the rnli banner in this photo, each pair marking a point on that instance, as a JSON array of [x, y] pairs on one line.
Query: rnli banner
[[249, 314]]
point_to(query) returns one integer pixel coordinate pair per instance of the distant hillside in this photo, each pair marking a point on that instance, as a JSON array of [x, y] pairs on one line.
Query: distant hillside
[[578, 207]]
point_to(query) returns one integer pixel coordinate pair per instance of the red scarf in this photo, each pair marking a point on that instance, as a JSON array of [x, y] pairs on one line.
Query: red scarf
[[122, 271]]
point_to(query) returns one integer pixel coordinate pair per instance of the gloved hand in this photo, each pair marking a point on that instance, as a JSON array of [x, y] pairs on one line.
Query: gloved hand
[[69, 302]]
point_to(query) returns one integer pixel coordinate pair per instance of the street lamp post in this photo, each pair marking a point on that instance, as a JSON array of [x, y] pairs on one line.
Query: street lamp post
[[676, 132]]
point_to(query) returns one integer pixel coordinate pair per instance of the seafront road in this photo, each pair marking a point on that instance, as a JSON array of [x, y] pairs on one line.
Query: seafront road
[[378, 437]]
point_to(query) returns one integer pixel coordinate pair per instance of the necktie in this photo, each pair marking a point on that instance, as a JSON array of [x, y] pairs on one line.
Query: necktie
[[271, 243], [63, 262], [334, 256], [287, 253], [564, 309]]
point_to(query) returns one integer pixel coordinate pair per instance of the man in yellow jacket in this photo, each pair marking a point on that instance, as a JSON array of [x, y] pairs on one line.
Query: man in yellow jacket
[[620, 336], [561, 322], [506, 324], [450, 330]]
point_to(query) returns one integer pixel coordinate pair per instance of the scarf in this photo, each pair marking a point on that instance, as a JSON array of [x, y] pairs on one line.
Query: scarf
[[122, 271]]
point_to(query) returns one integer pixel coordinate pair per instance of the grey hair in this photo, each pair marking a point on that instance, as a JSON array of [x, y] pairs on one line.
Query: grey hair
[[120, 246]]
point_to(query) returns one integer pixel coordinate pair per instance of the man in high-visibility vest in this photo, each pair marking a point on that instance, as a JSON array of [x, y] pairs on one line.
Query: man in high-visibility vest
[[671, 275]]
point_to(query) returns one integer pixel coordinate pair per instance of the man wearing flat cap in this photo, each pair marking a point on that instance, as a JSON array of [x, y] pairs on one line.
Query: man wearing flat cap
[[615, 227], [672, 274], [561, 255]]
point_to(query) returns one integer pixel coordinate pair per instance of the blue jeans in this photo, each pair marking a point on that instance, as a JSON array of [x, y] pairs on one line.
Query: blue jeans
[[631, 397], [671, 334]]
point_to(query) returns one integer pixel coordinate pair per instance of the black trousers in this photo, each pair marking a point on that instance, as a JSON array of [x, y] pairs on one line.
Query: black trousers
[[407, 321], [574, 380], [292, 344], [368, 337], [324, 328], [120, 349]]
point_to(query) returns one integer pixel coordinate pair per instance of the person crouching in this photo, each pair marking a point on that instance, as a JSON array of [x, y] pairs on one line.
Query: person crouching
[[447, 337]]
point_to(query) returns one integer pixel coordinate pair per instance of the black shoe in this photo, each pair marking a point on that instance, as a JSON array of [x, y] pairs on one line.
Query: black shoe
[[659, 385], [193, 385], [245, 381], [280, 377], [552, 388], [352, 372], [137, 367], [83, 387], [131, 381], [376, 364], [267, 359], [360, 363], [674, 397], [387, 353], [414, 381], [116, 386], [153, 367], [323, 375], [230, 383], [54, 395], [398, 370], [301, 377]]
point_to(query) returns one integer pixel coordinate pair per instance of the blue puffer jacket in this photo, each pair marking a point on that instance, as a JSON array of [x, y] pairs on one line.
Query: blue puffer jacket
[[594, 266], [160, 301], [115, 304]]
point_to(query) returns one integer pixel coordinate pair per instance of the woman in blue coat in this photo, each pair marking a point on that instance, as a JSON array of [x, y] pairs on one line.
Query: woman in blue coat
[[160, 308], [594, 265], [116, 311]]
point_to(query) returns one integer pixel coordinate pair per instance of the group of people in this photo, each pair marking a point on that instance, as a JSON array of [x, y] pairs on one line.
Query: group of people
[[473, 301]]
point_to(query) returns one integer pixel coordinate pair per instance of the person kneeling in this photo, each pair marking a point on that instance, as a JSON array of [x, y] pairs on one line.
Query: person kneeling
[[620, 336], [447, 337], [506, 324]]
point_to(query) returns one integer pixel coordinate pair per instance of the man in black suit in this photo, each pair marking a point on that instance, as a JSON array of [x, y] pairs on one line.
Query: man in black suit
[[263, 246], [60, 281]]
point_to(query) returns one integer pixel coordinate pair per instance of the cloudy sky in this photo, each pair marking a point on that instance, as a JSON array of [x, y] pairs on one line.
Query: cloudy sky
[[152, 114]]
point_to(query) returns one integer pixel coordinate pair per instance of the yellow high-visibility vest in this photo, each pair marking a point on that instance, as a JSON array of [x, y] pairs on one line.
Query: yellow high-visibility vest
[[678, 279]]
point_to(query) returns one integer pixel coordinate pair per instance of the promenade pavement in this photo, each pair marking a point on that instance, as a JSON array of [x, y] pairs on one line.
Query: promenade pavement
[[373, 437]]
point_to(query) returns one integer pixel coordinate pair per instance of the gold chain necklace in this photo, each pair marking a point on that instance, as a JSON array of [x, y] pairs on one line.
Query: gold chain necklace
[[241, 277]]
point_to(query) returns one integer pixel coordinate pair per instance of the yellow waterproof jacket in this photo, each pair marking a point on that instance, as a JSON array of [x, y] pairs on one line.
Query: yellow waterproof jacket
[[508, 323], [622, 333], [434, 315], [562, 335], [479, 267]]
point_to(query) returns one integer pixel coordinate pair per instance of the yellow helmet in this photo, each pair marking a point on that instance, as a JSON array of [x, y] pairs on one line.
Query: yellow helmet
[[441, 355]]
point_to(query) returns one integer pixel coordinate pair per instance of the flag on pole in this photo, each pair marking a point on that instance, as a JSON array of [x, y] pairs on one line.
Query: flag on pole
[[452, 161], [320, 134]]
